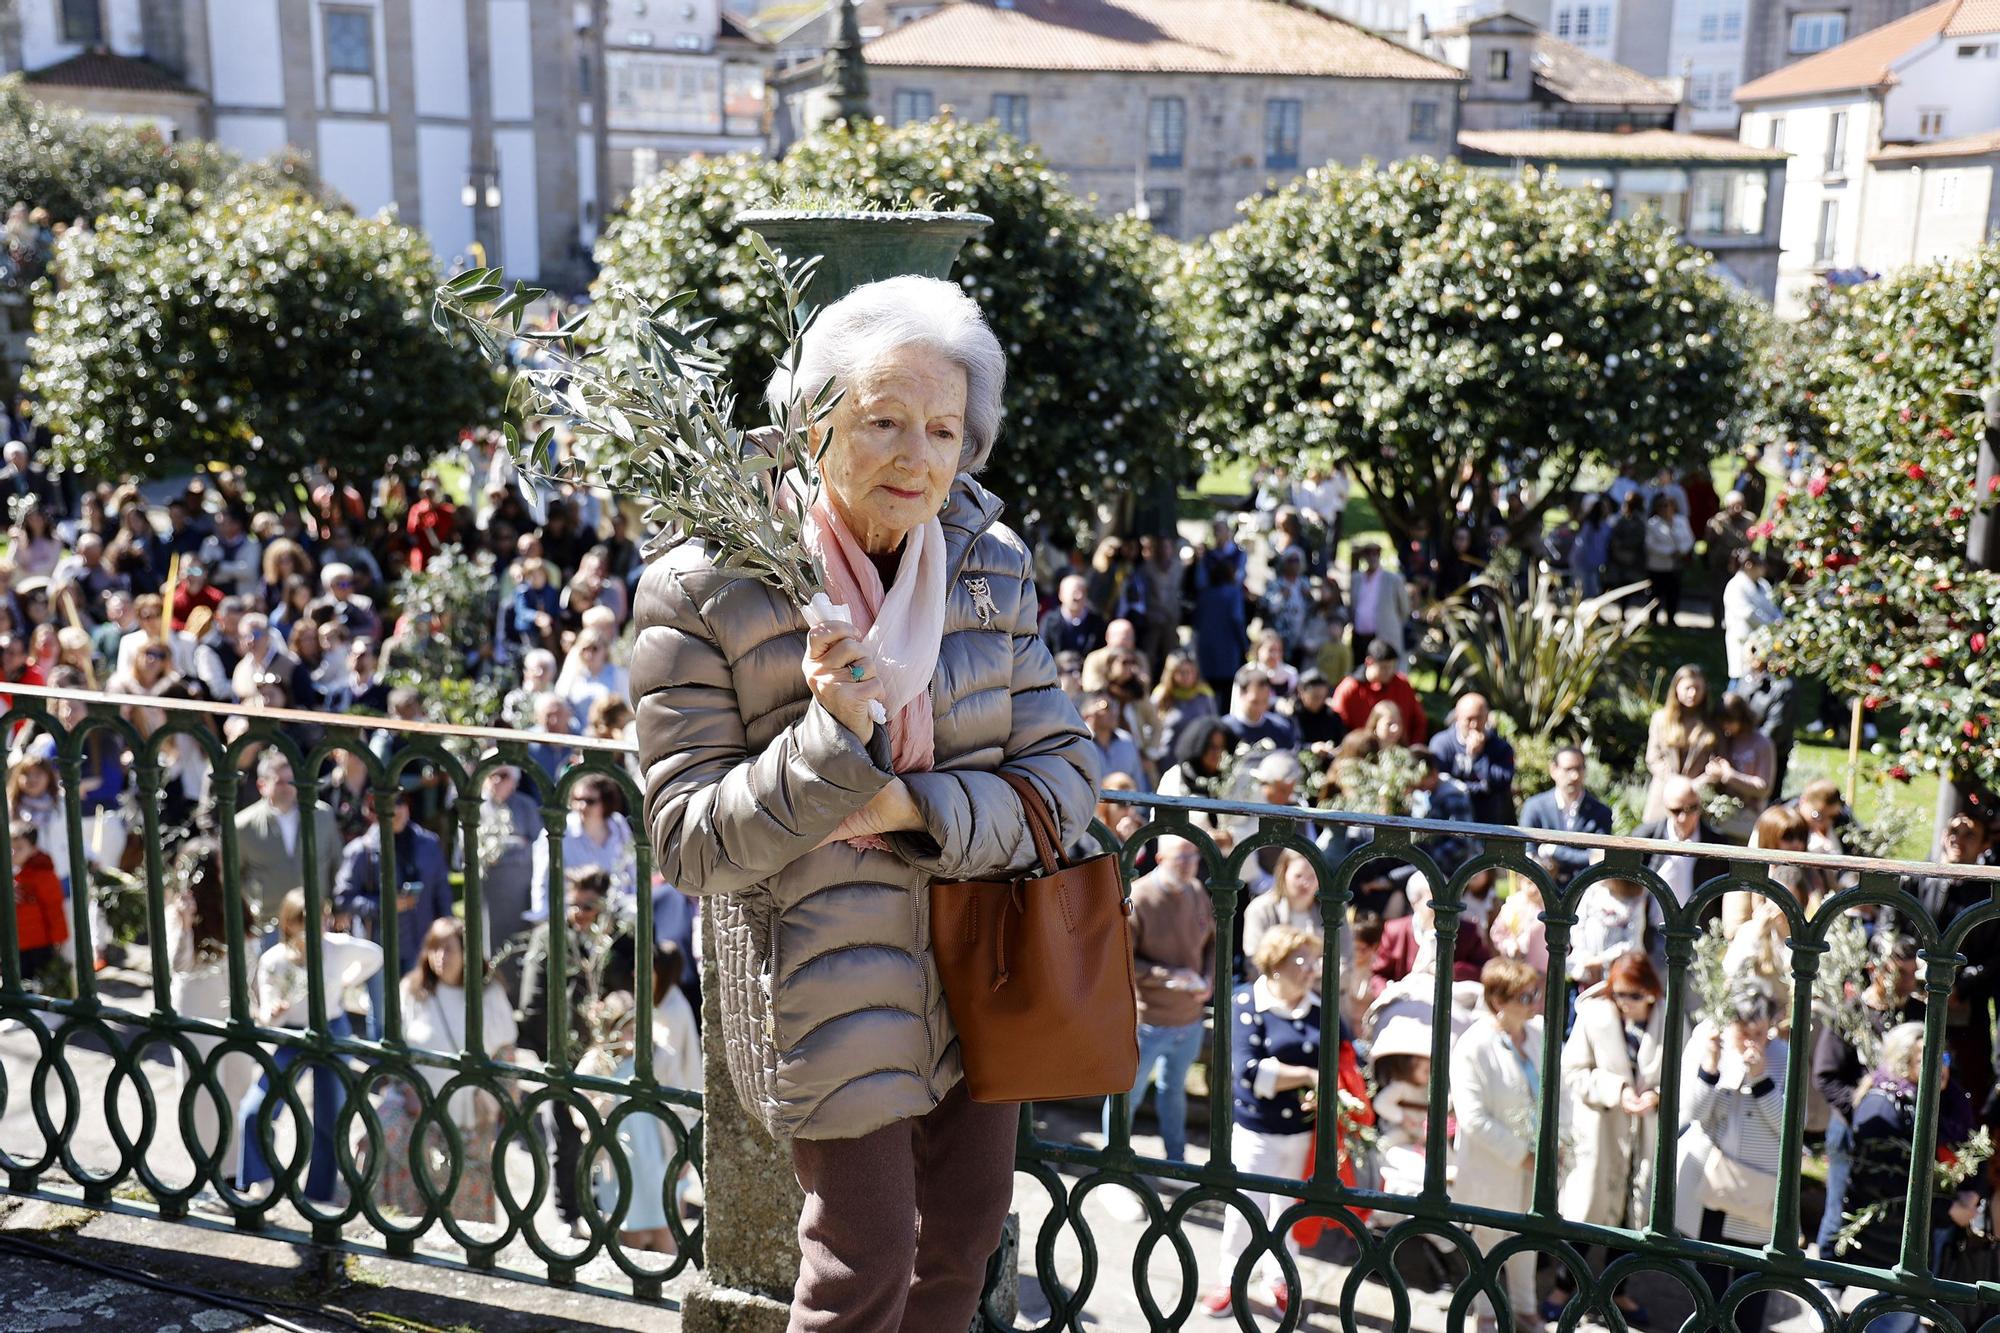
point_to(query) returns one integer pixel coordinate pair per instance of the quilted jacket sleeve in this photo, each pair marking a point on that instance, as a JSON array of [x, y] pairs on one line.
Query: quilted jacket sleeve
[[973, 822], [722, 819]]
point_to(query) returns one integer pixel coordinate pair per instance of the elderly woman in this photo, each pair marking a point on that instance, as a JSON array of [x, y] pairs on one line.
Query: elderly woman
[[816, 832]]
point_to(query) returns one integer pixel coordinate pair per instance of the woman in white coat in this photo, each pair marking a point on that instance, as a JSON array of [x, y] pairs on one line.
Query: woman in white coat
[[1611, 1079], [1496, 1091]]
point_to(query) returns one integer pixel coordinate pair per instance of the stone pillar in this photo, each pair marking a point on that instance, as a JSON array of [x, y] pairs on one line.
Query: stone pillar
[[750, 1246]]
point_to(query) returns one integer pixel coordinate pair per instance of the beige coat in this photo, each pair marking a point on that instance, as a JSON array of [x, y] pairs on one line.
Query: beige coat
[[833, 1019], [1608, 1179]]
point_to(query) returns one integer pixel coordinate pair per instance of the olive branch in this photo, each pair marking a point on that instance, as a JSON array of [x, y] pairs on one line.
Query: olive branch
[[649, 415]]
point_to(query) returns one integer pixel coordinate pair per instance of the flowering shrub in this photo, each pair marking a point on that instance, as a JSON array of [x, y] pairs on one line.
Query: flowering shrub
[[1883, 603]]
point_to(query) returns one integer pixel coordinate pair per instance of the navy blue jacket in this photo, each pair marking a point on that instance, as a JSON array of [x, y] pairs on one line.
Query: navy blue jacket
[[1255, 1037], [357, 888], [1543, 811], [1488, 779]]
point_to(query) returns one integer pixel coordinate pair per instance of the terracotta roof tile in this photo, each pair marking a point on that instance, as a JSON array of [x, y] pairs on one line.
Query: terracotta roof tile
[[1974, 18], [1593, 146], [1575, 75], [1967, 145], [1862, 62], [1149, 36], [101, 69]]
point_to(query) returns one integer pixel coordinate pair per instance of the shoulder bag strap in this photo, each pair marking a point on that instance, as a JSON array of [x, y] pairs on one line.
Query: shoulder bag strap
[[1041, 824]]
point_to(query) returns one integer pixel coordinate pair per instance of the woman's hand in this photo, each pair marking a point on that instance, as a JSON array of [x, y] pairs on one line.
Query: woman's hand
[[891, 811], [832, 651], [1711, 1053]]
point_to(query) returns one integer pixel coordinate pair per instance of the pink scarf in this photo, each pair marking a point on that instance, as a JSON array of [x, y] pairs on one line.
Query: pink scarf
[[902, 626]]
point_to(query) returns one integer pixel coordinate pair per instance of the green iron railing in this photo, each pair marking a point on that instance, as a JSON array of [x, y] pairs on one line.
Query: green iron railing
[[1067, 1172], [128, 1036]]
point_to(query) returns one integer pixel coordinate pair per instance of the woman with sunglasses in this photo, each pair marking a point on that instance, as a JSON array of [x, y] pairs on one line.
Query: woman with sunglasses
[[597, 835], [1611, 1079], [1496, 1089]]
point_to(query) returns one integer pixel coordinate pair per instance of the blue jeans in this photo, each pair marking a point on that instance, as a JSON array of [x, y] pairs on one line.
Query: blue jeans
[[329, 1095], [1839, 1164], [1172, 1050]]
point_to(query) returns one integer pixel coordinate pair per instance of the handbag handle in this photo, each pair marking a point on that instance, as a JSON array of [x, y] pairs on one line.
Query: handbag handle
[[1041, 824]]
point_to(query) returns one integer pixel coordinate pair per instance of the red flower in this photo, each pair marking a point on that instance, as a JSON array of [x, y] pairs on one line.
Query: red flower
[[1955, 512], [1872, 702], [1933, 661], [1834, 560], [1903, 415], [1762, 530], [1971, 730], [1817, 486], [1915, 472], [1874, 671], [1993, 482], [1899, 773], [1978, 641], [1947, 433]]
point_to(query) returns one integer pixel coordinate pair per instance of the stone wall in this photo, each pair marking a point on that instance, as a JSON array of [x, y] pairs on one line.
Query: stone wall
[[1092, 127]]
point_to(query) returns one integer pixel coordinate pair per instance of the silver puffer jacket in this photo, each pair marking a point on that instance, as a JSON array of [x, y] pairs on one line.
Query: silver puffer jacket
[[834, 1021]]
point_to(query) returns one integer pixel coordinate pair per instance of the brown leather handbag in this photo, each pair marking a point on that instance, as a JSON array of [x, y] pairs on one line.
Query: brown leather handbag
[[1038, 973]]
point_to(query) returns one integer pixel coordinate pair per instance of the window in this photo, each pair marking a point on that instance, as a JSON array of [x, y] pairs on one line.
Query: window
[[1500, 66], [910, 104], [1166, 131], [1732, 20], [1163, 210], [1980, 51], [1829, 222], [1930, 122], [1816, 30], [1563, 23], [1423, 122], [1281, 132], [1776, 139], [1011, 110], [82, 22], [1583, 23], [350, 42], [1701, 91], [1727, 203], [1836, 143]]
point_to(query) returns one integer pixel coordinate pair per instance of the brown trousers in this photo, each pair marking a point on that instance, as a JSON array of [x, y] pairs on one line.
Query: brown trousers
[[898, 1224]]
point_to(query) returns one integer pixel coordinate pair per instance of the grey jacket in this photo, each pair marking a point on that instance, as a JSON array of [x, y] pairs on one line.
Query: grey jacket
[[834, 1021]]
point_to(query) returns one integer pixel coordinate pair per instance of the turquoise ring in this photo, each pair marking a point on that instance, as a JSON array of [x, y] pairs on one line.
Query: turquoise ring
[[858, 671]]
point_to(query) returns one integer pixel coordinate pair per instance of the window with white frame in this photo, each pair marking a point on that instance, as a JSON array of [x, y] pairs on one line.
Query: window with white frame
[[1930, 122], [1563, 23], [1836, 143], [1776, 136], [350, 41], [910, 105], [1823, 239], [1500, 66], [1816, 30], [1979, 51]]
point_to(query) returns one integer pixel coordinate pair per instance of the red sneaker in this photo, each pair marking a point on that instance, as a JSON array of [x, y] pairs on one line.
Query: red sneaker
[[1280, 1296], [1216, 1303]]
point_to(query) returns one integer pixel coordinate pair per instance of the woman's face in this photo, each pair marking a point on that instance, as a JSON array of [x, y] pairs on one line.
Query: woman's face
[[1185, 675], [897, 437], [35, 780], [1634, 1006], [1300, 881], [1388, 728], [447, 959], [1296, 975], [1692, 691], [1215, 751], [1271, 652]]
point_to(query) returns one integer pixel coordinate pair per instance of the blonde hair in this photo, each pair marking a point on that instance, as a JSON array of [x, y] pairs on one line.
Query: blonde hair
[[1276, 892], [1280, 943], [1687, 728]]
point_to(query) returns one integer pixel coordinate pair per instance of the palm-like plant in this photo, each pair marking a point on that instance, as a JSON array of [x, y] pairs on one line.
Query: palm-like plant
[[1541, 658]]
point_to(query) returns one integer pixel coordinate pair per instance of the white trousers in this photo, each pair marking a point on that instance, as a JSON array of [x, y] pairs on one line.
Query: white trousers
[[1266, 1155], [207, 996]]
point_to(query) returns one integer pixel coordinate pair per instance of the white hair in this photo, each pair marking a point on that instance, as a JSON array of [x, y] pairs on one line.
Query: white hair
[[1903, 1049], [861, 329], [334, 570]]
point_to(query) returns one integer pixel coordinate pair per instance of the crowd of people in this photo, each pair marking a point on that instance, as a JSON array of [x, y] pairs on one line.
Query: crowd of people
[[1269, 661]]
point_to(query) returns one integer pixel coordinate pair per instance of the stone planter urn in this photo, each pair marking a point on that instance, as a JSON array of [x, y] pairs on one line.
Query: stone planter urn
[[750, 1252]]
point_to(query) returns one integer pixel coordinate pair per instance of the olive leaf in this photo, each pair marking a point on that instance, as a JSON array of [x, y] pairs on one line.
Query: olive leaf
[[646, 414]]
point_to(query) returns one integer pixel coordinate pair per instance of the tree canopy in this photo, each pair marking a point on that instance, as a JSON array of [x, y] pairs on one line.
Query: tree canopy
[[1096, 391], [254, 327], [1421, 320], [1884, 602]]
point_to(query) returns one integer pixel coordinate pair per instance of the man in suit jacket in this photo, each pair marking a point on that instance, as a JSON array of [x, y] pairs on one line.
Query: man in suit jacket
[[270, 850], [1074, 626], [1471, 750], [1683, 822], [1566, 808]]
